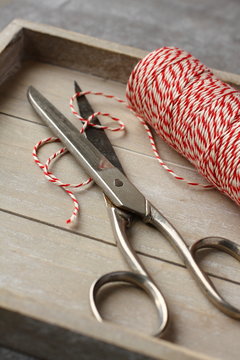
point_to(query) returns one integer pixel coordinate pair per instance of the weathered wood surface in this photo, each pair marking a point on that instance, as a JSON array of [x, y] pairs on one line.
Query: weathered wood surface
[[44, 264], [54, 285], [27, 195]]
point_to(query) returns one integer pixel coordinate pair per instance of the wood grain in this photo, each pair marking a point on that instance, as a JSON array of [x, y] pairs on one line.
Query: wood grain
[[46, 268], [27, 194], [158, 185]]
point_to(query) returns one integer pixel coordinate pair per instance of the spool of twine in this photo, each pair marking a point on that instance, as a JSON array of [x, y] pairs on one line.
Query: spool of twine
[[193, 111]]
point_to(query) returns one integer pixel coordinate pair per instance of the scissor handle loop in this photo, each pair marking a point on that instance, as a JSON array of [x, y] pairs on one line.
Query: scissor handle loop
[[219, 243], [226, 246], [141, 281], [188, 256]]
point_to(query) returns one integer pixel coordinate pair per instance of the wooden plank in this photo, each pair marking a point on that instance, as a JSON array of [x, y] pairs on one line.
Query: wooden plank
[[101, 58], [11, 50], [85, 53], [58, 84], [53, 341], [47, 273], [159, 187], [24, 188], [36, 257], [27, 187]]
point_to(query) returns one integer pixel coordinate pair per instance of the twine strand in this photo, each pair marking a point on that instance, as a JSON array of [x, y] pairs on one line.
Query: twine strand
[[194, 112], [84, 123]]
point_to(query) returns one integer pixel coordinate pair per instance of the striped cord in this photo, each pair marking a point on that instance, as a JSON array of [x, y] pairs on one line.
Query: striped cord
[[195, 113]]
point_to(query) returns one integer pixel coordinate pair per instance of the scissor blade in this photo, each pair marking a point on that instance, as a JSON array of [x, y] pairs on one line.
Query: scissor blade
[[112, 181], [97, 137]]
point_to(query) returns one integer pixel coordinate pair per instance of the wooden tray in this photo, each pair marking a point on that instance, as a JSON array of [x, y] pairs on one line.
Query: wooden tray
[[46, 268]]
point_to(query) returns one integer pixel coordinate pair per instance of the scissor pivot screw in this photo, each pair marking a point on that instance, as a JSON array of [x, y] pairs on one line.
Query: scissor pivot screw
[[118, 182]]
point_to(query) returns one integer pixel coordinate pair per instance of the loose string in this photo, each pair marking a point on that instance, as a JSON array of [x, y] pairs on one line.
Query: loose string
[[187, 106], [53, 179], [84, 123], [122, 127], [87, 122]]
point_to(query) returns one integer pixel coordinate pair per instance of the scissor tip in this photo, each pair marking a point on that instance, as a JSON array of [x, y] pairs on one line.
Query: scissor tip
[[77, 87], [30, 90]]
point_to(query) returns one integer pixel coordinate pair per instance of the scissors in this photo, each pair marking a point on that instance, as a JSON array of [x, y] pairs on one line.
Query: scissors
[[125, 202]]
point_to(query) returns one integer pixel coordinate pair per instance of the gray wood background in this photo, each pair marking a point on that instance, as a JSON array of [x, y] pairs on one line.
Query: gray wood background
[[209, 29]]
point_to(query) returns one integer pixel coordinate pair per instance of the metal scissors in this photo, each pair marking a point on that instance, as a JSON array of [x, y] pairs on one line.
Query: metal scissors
[[124, 202]]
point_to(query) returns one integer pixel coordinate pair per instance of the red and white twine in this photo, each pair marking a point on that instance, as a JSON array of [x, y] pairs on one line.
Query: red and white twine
[[53, 179], [84, 123], [193, 111]]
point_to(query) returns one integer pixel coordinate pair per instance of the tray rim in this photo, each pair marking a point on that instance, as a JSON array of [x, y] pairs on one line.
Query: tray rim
[[14, 34], [18, 27]]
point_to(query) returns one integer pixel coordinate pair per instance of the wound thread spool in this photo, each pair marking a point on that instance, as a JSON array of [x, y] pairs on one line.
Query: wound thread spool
[[193, 111]]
